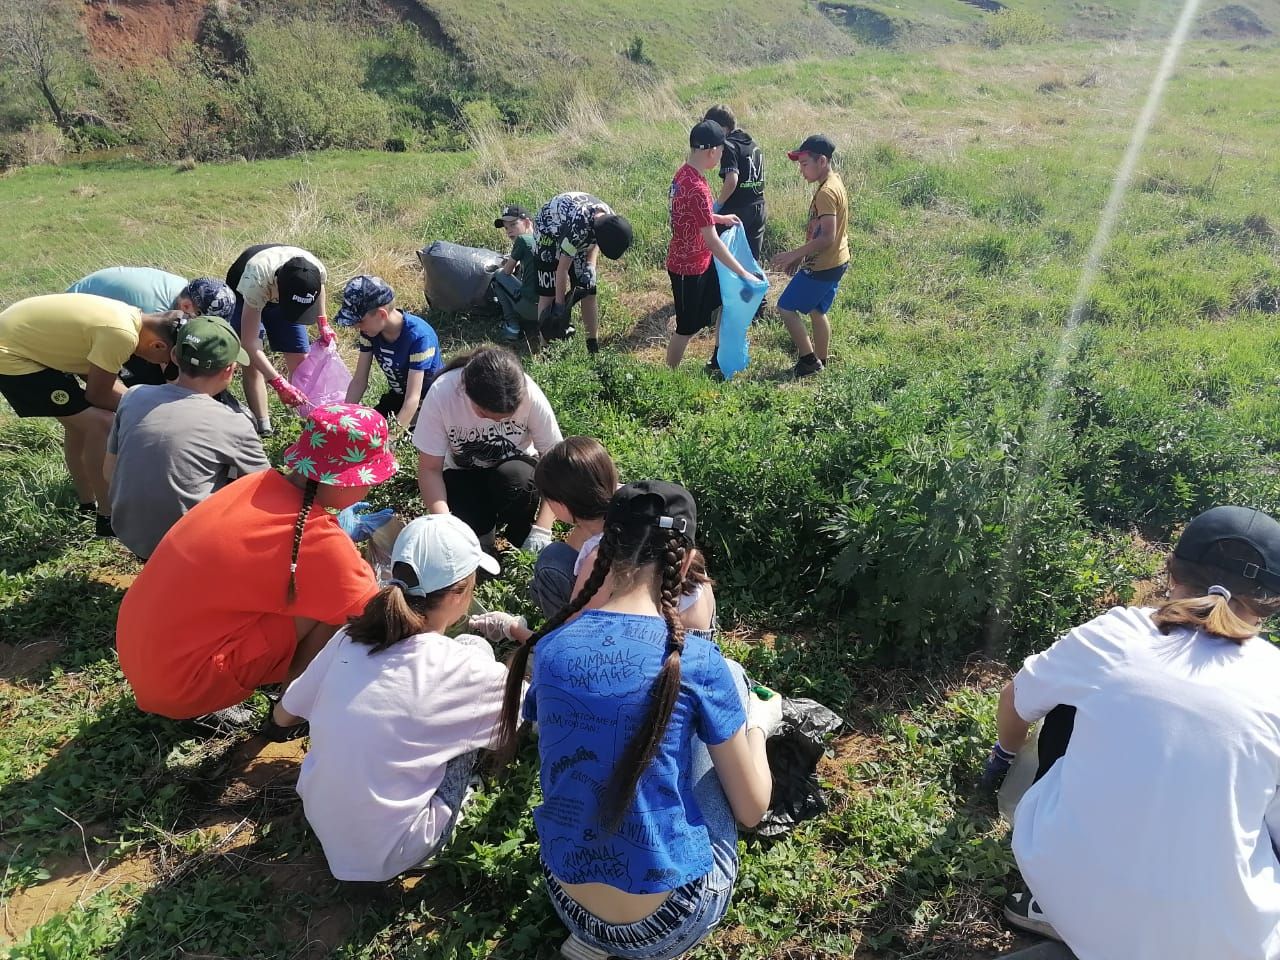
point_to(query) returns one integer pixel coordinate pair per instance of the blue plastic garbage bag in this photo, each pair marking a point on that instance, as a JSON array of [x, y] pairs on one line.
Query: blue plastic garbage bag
[[736, 313]]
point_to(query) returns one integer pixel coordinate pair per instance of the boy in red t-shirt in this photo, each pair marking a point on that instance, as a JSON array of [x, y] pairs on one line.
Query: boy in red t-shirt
[[694, 283]]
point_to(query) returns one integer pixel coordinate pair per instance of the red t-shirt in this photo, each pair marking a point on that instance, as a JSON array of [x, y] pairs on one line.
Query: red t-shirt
[[690, 212], [207, 619]]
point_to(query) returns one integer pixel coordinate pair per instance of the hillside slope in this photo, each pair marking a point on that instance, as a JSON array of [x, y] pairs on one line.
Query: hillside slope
[[520, 42]]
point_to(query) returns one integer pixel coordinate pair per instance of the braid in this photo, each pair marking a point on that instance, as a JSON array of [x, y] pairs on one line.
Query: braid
[[644, 744], [509, 724], [308, 498]]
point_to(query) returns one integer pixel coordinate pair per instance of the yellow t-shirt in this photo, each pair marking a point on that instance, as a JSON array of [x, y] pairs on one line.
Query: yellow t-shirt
[[830, 200], [67, 332]]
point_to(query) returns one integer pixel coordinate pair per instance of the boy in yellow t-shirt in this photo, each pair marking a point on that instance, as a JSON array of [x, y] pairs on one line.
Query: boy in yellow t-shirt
[[821, 260], [46, 343]]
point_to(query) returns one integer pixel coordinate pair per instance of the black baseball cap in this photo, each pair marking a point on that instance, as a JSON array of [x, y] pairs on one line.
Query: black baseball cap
[[1236, 540], [656, 502], [512, 211], [613, 235], [705, 135], [819, 145], [298, 282]]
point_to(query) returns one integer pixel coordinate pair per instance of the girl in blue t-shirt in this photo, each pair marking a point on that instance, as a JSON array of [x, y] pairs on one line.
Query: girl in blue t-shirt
[[404, 346], [650, 745]]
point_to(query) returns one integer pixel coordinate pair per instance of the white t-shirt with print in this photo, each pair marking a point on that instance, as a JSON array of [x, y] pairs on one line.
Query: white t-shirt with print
[[383, 726], [258, 282], [449, 427], [1152, 838]]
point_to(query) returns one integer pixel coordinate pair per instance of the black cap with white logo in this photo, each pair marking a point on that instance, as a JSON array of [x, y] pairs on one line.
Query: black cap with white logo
[[298, 282]]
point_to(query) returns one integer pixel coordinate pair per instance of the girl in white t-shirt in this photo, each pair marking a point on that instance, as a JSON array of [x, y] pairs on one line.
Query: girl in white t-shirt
[[1153, 834], [482, 426], [398, 710]]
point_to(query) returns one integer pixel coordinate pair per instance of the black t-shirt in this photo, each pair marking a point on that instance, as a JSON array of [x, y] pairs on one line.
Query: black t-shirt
[[743, 154]]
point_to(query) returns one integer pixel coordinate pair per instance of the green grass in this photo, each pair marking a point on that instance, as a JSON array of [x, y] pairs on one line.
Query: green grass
[[858, 521]]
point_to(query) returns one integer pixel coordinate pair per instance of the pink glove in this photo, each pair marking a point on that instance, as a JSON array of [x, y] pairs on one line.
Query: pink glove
[[327, 336], [289, 395]]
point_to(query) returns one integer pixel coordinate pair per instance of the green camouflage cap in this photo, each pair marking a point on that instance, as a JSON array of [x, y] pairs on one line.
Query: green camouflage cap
[[210, 344]]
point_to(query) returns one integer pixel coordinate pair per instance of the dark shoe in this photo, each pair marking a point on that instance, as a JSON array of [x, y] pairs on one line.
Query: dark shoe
[[229, 720], [102, 526], [593, 345], [87, 508], [712, 369], [1022, 911], [807, 366], [278, 734]]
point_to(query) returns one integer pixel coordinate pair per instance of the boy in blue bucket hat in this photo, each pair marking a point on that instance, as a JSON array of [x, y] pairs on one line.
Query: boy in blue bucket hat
[[404, 345]]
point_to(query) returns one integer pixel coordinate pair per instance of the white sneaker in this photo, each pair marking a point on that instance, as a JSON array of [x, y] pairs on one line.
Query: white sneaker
[[1022, 911], [575, 949]]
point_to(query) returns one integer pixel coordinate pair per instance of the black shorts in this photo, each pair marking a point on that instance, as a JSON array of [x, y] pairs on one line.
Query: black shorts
[[45, 393], [697, 300], [582, 274]]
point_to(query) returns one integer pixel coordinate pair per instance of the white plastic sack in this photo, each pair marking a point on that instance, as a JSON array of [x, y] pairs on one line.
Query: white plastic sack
[[1020, 776], [736, 314]]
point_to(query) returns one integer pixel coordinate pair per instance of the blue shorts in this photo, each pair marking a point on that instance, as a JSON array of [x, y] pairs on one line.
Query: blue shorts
[[282, 335], [812, 290]]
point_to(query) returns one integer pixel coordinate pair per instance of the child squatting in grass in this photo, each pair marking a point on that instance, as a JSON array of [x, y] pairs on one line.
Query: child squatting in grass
[[398, 711], [404, 346], [641, 798], [1152, 828], [262, 573]]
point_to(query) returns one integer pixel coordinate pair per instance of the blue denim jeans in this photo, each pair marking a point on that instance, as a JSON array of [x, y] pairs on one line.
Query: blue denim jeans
[[690, 912], [552, 584]]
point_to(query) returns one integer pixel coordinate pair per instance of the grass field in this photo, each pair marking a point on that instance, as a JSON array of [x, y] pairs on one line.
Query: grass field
[[859, 524]]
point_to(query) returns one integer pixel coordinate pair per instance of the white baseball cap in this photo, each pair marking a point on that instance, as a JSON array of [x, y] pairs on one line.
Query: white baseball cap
[[441, 550]]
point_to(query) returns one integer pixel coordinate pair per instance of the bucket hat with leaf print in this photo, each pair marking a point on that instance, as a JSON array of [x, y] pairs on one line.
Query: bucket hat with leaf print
[[343, 445]]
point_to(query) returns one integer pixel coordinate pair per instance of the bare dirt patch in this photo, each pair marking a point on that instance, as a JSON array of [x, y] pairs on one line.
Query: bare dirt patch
[[74, 881], [20, 661], [133, 33]]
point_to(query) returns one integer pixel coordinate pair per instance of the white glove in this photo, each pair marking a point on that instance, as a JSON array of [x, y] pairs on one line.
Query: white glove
[[537, 540], [496, 626], [766, 715]]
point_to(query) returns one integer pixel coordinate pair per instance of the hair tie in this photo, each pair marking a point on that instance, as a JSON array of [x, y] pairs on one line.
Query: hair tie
[[1219, 591], [393, 582]]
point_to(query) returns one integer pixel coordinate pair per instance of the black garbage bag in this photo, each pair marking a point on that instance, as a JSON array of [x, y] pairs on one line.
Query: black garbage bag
[[456, 278], [794, 751]]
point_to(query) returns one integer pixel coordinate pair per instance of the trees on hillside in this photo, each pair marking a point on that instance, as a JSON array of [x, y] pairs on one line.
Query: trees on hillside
[[39, 43]]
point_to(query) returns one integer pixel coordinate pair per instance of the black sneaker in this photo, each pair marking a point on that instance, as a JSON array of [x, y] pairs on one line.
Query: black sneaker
[[278, 734], [593, 345], [102, 526], [228, 720], [807, 366], [1022, 911], [87, 508], [712, 369]]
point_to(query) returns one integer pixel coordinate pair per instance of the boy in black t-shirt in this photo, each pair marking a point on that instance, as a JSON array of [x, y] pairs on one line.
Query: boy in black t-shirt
[[742, 170]]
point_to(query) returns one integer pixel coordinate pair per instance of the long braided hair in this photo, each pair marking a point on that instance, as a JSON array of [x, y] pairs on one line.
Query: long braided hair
[[308, 500], [627, 550]]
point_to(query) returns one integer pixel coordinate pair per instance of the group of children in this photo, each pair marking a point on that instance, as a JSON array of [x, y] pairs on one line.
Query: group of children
[[1152, 829]]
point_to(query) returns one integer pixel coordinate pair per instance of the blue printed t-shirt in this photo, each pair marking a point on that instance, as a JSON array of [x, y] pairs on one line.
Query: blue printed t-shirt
[[417, 348], [589, 693]]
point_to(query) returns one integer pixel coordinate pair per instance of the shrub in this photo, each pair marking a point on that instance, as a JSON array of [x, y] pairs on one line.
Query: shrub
[[302, 89], [1015, 27], [178, 108]]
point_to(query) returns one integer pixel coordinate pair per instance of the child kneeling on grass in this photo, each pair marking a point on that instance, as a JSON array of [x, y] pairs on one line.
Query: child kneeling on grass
[[404, 346], [399, 712], [259, 578], [650, 746], [1152, 828]]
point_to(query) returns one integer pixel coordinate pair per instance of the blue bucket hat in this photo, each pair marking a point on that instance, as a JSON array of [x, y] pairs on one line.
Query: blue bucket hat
[[212, 298], [360, 295]]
